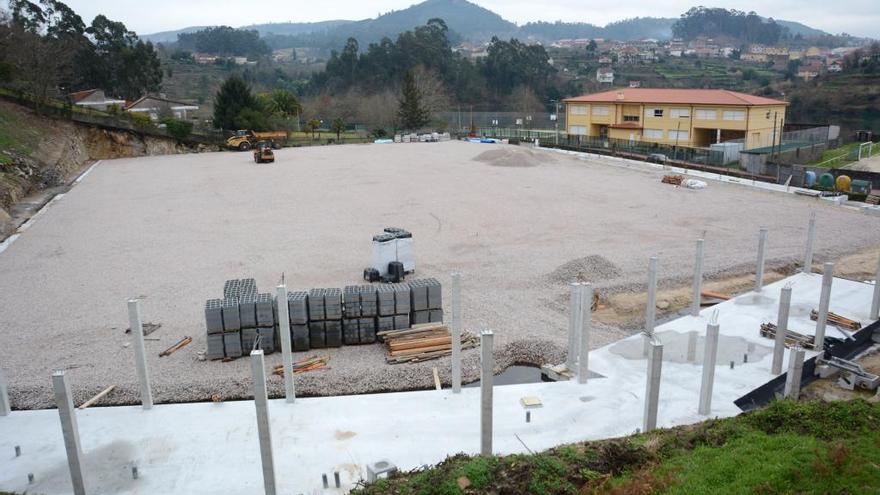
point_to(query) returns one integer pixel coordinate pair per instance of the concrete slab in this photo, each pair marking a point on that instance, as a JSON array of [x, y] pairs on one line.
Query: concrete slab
[[213, 447]]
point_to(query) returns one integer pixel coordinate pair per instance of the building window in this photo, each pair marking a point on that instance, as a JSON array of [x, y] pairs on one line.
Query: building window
[[579, 130], [706, 115], [734, 115], [678, 135], [680, 113], [601, 110], [578, 109], [630, 118], [653, 133]]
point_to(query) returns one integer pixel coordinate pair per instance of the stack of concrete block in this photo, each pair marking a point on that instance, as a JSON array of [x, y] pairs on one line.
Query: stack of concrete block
[[361, 312], [426, 301], [325, 318], [214, 324], [298, 311], [236, 322]]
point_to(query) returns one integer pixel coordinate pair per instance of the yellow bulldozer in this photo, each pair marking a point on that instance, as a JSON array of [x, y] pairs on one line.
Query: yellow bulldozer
[[244, 140]]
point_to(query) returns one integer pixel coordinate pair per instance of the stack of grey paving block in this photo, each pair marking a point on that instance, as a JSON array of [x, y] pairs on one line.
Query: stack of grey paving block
[[361, 314], [238, 321], [426, 300], [325, 318], [298, 310], [214, 324]]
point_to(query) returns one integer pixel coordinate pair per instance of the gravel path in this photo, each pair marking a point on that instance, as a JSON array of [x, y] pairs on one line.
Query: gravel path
[[171, 229]]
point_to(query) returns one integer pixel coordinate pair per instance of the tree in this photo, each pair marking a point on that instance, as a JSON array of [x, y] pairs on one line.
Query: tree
[[44, 36], [224, 40], [282, 103], [313, 125], [337, 126], [231, 100], [413, 116]]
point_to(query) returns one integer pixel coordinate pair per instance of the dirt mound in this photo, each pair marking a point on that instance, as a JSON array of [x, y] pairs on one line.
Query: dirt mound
[[513, 157], [593, 268]]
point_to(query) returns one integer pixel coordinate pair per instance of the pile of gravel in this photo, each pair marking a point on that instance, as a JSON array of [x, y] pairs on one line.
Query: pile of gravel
[[593, 268], [513, 157]]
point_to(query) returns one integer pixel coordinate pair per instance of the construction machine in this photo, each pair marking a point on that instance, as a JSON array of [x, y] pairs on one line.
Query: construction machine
[[244, 140], [263, 153]]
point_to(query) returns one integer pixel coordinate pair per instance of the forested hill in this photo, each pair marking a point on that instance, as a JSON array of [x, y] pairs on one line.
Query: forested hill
[[466, 21]]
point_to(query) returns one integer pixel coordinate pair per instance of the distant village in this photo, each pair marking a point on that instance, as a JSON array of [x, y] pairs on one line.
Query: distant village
[[811, 61]]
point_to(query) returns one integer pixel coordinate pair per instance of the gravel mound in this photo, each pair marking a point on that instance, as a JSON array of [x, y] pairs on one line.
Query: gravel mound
[[513, 157], [593, 268]]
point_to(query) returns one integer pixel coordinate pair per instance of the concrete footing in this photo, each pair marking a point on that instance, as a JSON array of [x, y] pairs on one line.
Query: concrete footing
[[70, 430], [456, 333], [795, 369], [710, 354], [586, 318], [286, 346], [261, 403], [486, 382], [5, 406], [824, 302], [781, 331], [698, 280], [140, 356], [811, 234], [652, 385], [759, 270]]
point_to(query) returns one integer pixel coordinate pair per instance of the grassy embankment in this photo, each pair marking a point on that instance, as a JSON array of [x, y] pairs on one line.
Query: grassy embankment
[[788, 447]]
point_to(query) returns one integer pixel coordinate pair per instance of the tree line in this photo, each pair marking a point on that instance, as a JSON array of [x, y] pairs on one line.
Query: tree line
[[45, 47], [508, 65], [225, 41], [719, 22]]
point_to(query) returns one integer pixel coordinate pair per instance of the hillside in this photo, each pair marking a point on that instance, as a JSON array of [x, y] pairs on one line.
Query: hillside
[[469, 21], [789, 447]]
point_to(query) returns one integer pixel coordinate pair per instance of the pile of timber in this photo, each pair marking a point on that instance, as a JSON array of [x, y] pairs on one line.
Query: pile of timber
[[422, 343], [792, 338], [675, 180], [836, 319], [310, 363]]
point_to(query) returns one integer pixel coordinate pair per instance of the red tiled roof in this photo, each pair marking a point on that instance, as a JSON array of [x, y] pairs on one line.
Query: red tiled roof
[[675, 96], [81, 95]]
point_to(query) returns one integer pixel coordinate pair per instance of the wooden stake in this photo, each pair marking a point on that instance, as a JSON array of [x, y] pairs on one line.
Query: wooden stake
[[437, 384], [99, 396]]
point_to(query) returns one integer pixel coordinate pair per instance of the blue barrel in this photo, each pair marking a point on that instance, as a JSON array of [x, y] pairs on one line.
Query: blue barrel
[[810, 178]]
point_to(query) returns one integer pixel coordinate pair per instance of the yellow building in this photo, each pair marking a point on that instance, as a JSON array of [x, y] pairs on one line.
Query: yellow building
[[681, 117]]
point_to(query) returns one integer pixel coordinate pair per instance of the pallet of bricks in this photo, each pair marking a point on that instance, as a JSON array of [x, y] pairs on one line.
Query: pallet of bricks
[[319, 318], [237, 321]]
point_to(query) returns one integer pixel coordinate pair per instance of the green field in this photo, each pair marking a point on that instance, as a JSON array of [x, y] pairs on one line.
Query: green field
[[788, 447]]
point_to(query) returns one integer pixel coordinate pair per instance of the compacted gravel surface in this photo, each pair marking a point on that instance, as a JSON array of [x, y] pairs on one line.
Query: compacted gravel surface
[[517, 223]]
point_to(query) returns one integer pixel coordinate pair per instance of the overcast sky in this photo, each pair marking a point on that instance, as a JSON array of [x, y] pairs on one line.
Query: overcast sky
[[857, 17]]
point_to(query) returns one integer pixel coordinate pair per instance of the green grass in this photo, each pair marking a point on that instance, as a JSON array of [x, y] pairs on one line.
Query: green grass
[[841, 156], [14, 136], [788, 447]]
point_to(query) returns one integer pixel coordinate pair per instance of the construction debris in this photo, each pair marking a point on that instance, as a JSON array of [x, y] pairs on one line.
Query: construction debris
[[310, 363], [149, 328], [837, 320], [96, 398], [181, 343], [422, 342], [715, 295], [675, 180], [792, 338]]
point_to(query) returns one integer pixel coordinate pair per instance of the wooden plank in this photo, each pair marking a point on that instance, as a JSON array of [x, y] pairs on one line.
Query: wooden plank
[[437, 379], [96, 398], [715, 295], [399, 346], [410, 352]]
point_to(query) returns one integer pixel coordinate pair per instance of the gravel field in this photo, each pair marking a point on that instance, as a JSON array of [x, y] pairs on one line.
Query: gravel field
[[171, 229]]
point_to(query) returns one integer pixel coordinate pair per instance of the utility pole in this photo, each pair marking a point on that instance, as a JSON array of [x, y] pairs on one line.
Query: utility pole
[[556, 122]]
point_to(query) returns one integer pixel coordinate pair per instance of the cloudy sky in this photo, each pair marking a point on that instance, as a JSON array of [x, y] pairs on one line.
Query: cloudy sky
[[857, 17]]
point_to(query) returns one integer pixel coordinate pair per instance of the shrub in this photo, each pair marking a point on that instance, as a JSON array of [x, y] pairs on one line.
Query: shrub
[[179, 129], [141, 120]]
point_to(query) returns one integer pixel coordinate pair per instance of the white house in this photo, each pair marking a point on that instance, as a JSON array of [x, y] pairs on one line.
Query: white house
[[95, 98], [605, 75], [155, 106]]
